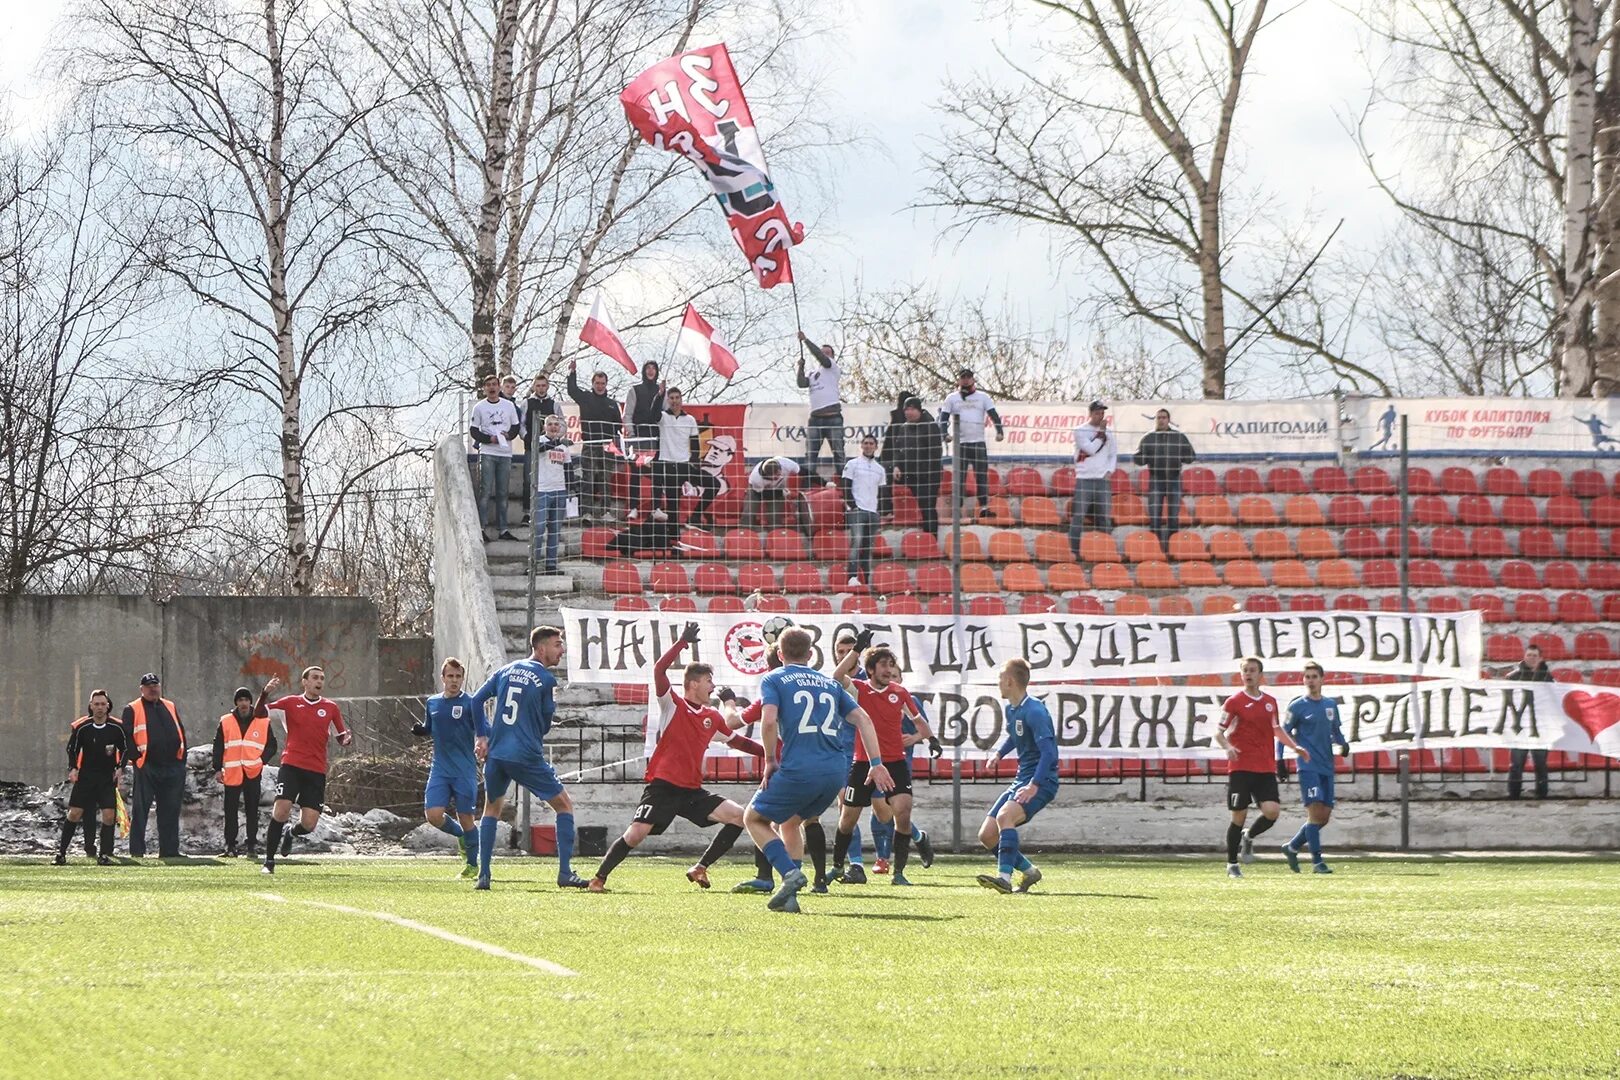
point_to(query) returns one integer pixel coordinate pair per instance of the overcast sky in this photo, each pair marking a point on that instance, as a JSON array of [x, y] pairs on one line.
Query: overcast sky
[[886, 65]]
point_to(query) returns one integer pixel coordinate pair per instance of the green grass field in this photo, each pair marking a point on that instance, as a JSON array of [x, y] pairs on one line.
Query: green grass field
[[1116, 967]]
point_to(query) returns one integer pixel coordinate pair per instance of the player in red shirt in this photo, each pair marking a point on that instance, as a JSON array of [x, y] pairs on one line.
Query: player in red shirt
[[1250, 724], [888, 704], [306, 718], [675, 770]]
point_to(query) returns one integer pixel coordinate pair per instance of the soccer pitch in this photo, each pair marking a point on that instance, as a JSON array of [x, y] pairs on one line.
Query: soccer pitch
[[1116, 966]]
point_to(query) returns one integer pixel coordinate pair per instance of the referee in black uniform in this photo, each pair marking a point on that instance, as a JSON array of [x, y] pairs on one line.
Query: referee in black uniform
[[96, 752]]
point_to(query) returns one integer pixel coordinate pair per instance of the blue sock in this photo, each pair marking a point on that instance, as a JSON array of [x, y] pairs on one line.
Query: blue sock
[[1024, 865], [1313, 836], [486, 843], [916, 833], [1301, 837], [1008, 851], [450, 825], [854, 851], [776, 852], [565, 844], [882, 836]]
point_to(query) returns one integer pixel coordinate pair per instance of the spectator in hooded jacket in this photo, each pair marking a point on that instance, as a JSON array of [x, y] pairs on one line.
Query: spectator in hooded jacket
[[1162, 452], [643, 412], [600, 417], [914, 456]]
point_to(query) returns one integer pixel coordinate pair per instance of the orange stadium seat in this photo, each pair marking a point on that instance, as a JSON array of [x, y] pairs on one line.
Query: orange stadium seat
[[1021, 577], [1066, 577], [1039, 512], [1053, 547], [1273, 544], [1110, 577], [1316, 544], [1197, 575], [1143, 546], [621, 576], [972, 546], [1242, 574], [1213, 510], [1036, 604], [1256, 510], [1085, 605], [1129, 510], [1219, 604], [1007, 546], [1336, 574], [1372, 480], [1155, 575], [1098, 547], [1288, 574], [1501, 480], [920, 546], [1223, 545], [979, 578], [1132, 604], [1242, 480], [1286, 480], [1456, 480], [1176, 605], [1303, 510], [760, 577], [1001, 515]]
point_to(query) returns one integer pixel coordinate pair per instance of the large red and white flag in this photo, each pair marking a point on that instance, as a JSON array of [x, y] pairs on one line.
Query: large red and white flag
[[693, 105], [599, 334], [700, 341]]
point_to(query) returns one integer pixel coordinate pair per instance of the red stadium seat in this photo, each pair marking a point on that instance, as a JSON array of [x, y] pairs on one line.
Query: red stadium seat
[[1585, 543], [786, 545], [1307, 602], [1535, 542], [1085, 605], [1023, 480], [760, 577], [1329, 480], [1364, 543], [621, 576], [1545, 483], [1593, 645], [1199, 480], [1394, 603], [1384, 510], [934, 578], [1286, 480], [727, 604], [1119, 483], [1262, 602], [1420, 481], [1552, 647], [801, 577], [1242, 480], [888, 578], [677, 603], [1518, 574], [1450, 542], [668, 577], [1425, 574], [1602, 576], [1416, 547], [1475, 510], [859, 604], [1576, 607], [1520, 510], [831, 545], [1471, 574], [1588, 484], [1504, 649], [1037, 604], [1501, 480], [987, 605], [712, 578], [1611, 608], [826, 508], [593, 543], [631, 603], [1606, 676], [814, 605], [1349, 602], [1491, 606], [1063, 481], [1380, 574], [1457, 480], [1346, 510], [904, 604], [1565, 512], [1372, 480], [1606, 511], [1532, 608], [1431, 510], [1443, 603], [744, 544], [1561, 575]]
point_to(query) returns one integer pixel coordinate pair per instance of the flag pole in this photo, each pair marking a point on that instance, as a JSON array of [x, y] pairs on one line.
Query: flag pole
[[793, 285]]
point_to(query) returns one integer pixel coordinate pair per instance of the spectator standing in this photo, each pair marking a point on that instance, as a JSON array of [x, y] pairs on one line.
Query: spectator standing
[[553, 476], [971, 406], [244, 743], [677, 453], [643, 413], [1096, 453], [1531, 669], [863, 477], [495, 423], [157, 741], [1162, 452], [766, 505], [913, 455], [600, 417], [826, 423], [536, 407]]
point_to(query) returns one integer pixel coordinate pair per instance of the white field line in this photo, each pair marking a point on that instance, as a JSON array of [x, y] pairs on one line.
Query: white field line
[[432, 931]]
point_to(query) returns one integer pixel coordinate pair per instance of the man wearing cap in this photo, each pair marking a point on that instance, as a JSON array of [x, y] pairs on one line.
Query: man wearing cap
[[244, 743], [972, 407], [1162, 452], [1096, 453], [157, 741]]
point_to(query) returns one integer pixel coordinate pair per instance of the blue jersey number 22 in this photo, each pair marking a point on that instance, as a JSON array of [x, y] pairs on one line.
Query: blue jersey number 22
[[807, 703]]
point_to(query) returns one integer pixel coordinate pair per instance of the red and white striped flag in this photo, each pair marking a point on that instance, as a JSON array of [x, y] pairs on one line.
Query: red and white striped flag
[[700, 341], [599, 334]]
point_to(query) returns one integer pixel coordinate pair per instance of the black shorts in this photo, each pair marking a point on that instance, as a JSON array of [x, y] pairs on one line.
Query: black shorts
[[860, 791], [94, 793], [662, 802], [302, 786], [1243, 788]]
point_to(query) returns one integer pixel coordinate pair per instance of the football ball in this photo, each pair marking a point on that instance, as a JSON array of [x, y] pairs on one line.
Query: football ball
[[774, 628]]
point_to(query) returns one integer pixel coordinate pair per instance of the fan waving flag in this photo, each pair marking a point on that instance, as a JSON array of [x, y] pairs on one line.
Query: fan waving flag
[[699, 341], [599, 334], [693, 105]]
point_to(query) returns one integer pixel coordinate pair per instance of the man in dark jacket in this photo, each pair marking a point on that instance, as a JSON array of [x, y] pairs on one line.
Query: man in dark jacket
[[1162, 453], [912, 451], [643, 409], [1531, 669], [599, 419]]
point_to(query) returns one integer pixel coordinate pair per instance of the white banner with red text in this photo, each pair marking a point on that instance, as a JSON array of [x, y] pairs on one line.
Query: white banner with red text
[[942, 652]]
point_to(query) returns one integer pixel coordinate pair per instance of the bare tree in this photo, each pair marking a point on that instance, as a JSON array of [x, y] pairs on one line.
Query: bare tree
[[1116, 140], [92, 469], [246, 142]]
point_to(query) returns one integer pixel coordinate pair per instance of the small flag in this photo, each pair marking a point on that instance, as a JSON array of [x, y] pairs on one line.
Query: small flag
[[123, 814], [700, 341], [599, 334]]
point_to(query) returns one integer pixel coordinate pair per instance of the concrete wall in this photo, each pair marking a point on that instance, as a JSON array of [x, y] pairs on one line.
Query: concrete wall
[[465, 623], [55, 649], [405, 666]]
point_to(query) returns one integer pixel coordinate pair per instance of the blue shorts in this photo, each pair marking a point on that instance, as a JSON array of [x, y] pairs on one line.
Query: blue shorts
[[442, 788], [1048, 791], [802, 796], [538, 776], [1315, 787]]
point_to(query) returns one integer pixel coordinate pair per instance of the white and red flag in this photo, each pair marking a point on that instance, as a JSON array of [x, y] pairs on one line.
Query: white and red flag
[[700, 341], [599, 334], [693, 105]]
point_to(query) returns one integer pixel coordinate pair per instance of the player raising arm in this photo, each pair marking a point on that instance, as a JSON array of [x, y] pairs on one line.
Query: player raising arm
[[307, 719], [1313, 721], [806, 711], [1030, 733], [675, 771], [525, 702], [1247, 732]]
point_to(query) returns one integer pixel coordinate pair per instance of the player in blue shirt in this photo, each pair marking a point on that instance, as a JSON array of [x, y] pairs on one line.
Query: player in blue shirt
[[1313, 721], [524, 705], [1030, 733], [807, 711], [451, 722]]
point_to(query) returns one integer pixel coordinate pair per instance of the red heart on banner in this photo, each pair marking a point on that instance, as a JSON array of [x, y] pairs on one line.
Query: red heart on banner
[[1594, 712]]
